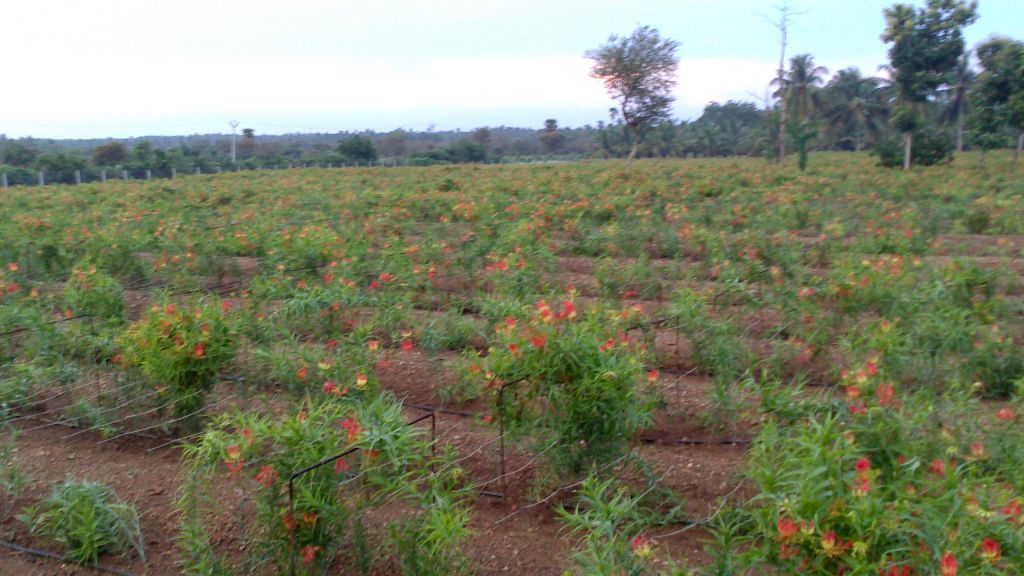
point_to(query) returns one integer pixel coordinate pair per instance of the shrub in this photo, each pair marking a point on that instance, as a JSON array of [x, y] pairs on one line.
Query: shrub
[[574, 381], [929, 148], [88, 519], [89, 291], [179, 350]]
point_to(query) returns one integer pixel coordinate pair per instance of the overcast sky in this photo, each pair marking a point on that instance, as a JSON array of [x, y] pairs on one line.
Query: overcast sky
[[102, 68]]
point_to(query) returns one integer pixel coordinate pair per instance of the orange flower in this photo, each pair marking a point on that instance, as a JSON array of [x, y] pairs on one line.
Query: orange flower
[[302, 373], [361, 380], [373, 345]]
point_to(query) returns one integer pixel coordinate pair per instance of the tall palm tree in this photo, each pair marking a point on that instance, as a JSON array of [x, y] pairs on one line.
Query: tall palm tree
[[956, 96], [800, 87], [854, 107]]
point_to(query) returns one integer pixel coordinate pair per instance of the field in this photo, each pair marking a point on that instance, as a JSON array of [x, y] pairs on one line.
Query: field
[[722, 366]]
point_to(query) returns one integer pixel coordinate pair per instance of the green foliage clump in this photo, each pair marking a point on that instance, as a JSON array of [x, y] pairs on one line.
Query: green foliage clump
[[90, 291], [180, 350], [931, 147], [88, 519]]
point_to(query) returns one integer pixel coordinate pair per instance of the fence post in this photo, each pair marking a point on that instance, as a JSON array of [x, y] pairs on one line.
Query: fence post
[[78, 177], [3, 179], [174, 172], [218, 169], [149, 174], [124, 174], [103, 175], [42, 178]]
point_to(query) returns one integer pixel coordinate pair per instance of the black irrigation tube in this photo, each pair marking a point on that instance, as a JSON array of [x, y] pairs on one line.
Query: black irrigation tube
[[28, 328], [62, 558], [432, 415]]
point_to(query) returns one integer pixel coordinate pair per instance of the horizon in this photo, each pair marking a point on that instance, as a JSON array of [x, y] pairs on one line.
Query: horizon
[[320, 67]]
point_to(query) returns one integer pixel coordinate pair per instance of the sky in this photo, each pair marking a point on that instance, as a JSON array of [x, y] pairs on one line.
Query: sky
[[104, 68]]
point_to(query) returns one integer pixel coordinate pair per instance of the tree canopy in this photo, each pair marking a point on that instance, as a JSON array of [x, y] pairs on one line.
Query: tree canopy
[[639, 73]]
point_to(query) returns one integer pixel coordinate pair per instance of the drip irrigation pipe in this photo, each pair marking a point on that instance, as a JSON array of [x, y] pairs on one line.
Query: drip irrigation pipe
[[62, 558]]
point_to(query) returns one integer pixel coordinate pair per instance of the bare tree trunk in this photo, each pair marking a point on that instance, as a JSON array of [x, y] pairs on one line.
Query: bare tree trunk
[[908, 139], [782, 85], [632, 151], [1020, 146], [960, 130]]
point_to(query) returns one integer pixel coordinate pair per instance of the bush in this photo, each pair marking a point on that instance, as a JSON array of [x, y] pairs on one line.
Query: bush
[[930, 147], [88, 519], [180, 351], [574, 381], [92, 292]]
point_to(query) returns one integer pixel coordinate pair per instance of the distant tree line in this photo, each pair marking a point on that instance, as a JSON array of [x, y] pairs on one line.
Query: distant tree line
[[936, 98]]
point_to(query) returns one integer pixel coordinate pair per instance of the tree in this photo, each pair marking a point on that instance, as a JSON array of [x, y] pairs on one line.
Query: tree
[[926, 43], [854, 108], [639, 73], [1000, 89], [358, 148], [800, 86], [109, 154], [551, 139], [957, 102], [247, 147], [16, 154]]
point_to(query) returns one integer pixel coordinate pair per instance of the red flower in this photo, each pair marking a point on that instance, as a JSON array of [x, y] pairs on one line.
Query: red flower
[[937, 467], [513, 348], [352, 428], [872, 368], [302, 373], [787, 528], [539, 341], [406, 345], [340, 466], [863, 465], [309, 553], [330, 388], [568, 310], [1013, 510], [1005, 415], [896, 571], [948, 564], [510, 321], [234, 461], [887, 396], [991, 551], [266, 476], [652, 376]]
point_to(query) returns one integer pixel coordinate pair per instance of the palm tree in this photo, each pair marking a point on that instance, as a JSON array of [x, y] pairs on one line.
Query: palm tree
[[854, 107], [800, 88], [957, 98]]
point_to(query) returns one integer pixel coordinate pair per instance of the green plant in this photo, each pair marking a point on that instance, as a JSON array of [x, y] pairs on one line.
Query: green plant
[[573, 383], [180, 350], [88, 519], [90, 291]]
